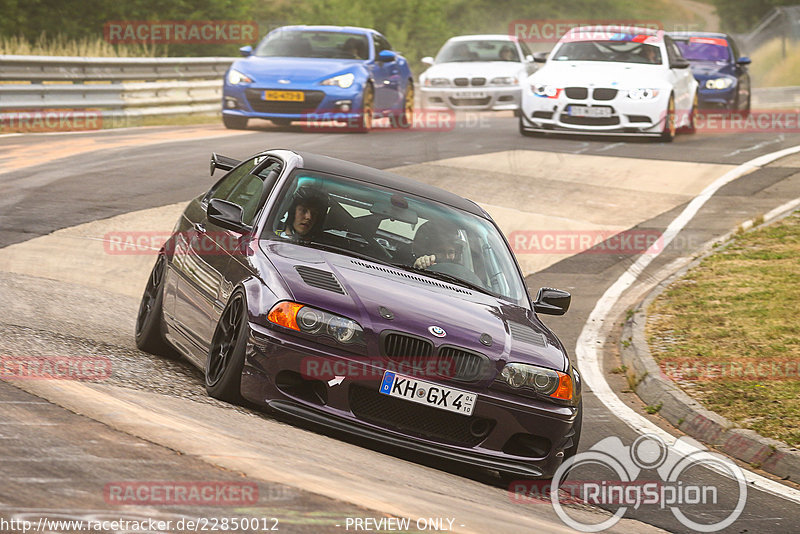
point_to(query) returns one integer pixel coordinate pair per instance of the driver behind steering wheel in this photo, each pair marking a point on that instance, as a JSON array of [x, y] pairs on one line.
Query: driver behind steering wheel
[[436, 245]]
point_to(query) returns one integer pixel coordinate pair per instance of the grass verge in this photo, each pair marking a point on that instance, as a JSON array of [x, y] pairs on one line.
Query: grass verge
[[771, 68], [728, 331]]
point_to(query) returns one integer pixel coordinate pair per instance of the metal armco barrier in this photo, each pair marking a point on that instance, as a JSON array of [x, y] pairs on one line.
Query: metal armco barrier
[[776, 97], [118, 87]]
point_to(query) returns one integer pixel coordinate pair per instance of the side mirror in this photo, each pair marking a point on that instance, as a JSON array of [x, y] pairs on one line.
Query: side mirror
[[744, 60], [529, 58], [386, 56], [679, 63], [226, 215], [246, 50], [552, 301], [427, 60], [540, 57]]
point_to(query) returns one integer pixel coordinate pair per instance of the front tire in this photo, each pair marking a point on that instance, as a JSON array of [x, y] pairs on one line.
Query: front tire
[[670, 123], [234, 122], [367, 110], [406, 118], [225, 361], [149, 334]]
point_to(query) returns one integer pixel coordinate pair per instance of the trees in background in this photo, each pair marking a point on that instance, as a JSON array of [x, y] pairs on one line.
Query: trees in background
[[415, 27]]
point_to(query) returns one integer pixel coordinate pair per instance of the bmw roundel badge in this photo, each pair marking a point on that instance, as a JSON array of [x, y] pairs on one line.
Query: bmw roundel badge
[[437, 331]]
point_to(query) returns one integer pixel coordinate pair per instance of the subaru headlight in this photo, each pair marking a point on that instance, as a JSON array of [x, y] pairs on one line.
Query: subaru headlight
[[235, 77], [504, 80], [343, 80], [312, 321], [528, 378], [719, 83], [643, 94], [545, 90]]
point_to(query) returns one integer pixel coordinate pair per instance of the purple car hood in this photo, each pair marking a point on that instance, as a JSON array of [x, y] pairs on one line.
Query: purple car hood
[[416, 303]]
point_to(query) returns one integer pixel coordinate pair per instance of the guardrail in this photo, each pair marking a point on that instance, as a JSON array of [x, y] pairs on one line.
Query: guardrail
[[776, 97], [115, 87], [135, 87]]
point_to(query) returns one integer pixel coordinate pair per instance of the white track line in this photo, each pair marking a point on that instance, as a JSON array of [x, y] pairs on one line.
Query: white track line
[[587, 349]]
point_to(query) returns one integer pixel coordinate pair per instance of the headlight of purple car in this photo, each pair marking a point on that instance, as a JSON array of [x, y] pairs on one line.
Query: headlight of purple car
[[312, 321]]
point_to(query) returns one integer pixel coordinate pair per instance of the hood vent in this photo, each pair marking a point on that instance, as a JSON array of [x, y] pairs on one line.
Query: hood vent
[[319, 279], [526, 334], [411, 276]]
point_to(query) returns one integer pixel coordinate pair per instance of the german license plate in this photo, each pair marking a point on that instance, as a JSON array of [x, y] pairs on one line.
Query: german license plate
[[427, 393], [470, 94], [284, 96], [586, 111]]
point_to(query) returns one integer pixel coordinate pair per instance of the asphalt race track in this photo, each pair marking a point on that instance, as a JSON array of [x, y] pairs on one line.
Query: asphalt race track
[[63, 294]]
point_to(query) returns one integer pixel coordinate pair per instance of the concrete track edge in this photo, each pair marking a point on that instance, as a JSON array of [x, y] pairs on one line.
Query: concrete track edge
[[682, 411]]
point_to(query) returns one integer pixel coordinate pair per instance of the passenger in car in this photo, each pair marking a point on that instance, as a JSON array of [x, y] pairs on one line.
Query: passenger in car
[[507, 54]]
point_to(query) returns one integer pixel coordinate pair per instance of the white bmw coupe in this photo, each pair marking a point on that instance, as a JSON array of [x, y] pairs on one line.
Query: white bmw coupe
[[600, 80], [476, 72]]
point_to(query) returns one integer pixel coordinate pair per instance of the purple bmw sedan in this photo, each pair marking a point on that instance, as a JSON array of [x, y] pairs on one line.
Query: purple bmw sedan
[[368, 303]]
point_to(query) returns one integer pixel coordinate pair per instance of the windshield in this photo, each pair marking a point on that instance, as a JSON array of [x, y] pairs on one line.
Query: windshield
[[319, 44], [704, 49], [454, 51], [617, 51], [393, 227]]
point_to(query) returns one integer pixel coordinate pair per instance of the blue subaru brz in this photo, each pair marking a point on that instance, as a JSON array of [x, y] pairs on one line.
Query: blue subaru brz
[[319, 73]]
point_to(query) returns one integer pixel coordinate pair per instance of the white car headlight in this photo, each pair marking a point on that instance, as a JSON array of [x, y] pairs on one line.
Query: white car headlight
[[343, 80], [545, 90], [437, 82], [719, 83], [642, 94], [235, 77], [504, 80]]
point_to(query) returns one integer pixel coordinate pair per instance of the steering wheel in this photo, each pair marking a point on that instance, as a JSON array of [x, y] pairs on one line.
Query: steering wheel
[[457, 270], [383, 254]]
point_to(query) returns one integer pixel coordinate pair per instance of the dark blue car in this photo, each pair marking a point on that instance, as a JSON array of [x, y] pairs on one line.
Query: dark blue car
[[717, 65], [319, 73]]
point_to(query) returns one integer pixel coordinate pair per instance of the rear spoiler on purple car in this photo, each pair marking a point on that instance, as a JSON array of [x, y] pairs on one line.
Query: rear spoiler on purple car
[[222, 162]]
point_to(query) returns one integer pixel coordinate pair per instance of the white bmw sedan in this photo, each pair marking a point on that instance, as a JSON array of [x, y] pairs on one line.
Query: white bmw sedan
[[598, 80], [476, 72]]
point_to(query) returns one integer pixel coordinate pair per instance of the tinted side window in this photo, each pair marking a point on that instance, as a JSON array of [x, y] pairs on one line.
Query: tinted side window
[[525, 50], [380, 44], [734, 49], [224, 187], [245, 189], [673, 52]]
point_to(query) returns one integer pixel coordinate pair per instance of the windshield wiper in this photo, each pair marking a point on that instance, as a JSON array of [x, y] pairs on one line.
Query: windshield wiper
[[346, 252]]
